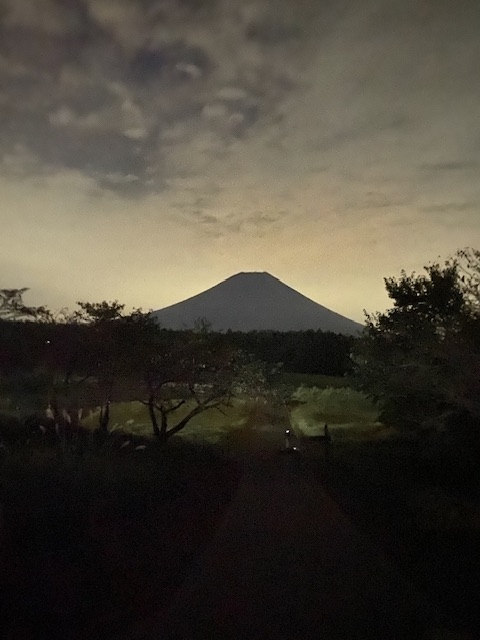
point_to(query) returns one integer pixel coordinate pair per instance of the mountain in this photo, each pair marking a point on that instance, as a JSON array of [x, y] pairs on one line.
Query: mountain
[[254, 301]]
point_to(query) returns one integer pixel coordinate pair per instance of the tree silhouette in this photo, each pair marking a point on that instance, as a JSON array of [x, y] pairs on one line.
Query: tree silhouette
[[420, 360]]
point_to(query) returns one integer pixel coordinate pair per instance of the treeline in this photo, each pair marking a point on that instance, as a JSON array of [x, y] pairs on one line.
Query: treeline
[[310, 352], [313, 352]]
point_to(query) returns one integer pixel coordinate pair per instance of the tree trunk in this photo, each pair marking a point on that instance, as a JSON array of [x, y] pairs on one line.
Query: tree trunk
[[153, 417], [183, 423], [105, 417], [164, 424]]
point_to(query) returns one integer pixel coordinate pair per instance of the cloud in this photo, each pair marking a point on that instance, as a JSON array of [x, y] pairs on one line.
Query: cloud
[[269, 134], [81, 80]]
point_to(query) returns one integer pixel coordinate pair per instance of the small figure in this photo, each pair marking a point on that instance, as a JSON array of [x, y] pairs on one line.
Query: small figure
[[327, 435], [288, 439]]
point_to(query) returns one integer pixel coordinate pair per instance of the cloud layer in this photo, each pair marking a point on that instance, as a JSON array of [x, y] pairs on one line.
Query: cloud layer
[[293, 136], [133, 94]]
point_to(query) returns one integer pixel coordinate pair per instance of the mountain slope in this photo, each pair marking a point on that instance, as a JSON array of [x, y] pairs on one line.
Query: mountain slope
[[254, 301]]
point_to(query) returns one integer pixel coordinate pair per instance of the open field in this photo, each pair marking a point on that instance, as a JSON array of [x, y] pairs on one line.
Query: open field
[[346, 411], [341, 408], [210, 426]]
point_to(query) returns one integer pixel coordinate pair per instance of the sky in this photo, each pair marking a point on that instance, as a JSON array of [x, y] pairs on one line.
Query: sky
[[150, 149]]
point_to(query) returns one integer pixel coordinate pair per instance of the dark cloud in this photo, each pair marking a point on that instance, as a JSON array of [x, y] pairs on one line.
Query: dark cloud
[[172, 64], [134, 94], [273, 32], [101, 87]]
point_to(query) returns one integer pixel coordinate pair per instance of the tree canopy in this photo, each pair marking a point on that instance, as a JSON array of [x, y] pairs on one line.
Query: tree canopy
[[420, 360], [100, 354]]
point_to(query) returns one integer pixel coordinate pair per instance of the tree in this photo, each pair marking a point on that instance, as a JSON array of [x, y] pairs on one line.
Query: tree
[[64, 362], [420, 360], [118, 344], [12, 306], [21, 347], [196, 371], [99, 354], [467, 262]]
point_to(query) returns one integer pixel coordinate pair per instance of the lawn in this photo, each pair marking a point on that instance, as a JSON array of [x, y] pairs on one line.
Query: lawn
[[346, 411], [210, 426]]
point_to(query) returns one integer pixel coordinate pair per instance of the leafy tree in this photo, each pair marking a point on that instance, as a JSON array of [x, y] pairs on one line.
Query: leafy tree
[[467, 262], [21, 383], [12, 307], [117, 344], [420, 360]]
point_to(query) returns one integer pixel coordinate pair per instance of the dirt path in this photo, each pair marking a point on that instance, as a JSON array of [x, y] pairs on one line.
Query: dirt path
[[286, 564]]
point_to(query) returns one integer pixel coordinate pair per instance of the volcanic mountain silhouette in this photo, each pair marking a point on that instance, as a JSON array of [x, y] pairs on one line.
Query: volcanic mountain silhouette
[[254, 301]]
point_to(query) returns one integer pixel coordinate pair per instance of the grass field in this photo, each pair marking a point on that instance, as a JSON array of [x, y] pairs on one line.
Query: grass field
[[210, 426], [347, 412]]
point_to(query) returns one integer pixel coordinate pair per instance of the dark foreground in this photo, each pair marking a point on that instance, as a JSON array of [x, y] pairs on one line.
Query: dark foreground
[[179, 543], [93, 542], [286, 564]]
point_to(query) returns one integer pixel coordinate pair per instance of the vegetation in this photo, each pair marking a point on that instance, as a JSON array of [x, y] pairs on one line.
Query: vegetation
[[320, 381], [420, 360], [420, 509], [99, 355], [415, 489], [305, 352], [339, 408]]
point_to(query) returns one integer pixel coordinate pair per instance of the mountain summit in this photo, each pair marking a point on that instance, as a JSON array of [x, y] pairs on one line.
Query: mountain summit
[[251, 301]]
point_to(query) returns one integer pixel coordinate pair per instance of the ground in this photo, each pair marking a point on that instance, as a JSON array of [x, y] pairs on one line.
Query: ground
[[287, 563], [272, 557]]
